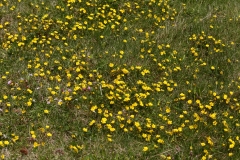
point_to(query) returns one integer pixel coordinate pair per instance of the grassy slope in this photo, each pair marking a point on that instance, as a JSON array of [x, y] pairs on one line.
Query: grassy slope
[[194, 80]]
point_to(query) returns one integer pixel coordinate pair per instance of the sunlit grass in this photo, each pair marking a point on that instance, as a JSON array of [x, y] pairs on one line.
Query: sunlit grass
[[113, 79]]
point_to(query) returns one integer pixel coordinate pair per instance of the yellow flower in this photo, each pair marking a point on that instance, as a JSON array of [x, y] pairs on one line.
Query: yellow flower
[[46, 111], [121, 52], [8, 104], [68, 98], [125, 71], [85, 129], [74, 148], [93, 108], [161, 141], [60, 102], [29, 103], [213, 115], [145, 71], [104, 120], [5, 97], [92, 122], [2, 156], [225, 96], [203, 144], [80, 147], [232, 143], [1, 144], [109, 139], [53, 92], [15, 138], [29, 91], [168, 110], [189, 101], [111, 65], [35, 144], [33, 136], [145, 149], [210, 141], [49, 134], [169, 122]]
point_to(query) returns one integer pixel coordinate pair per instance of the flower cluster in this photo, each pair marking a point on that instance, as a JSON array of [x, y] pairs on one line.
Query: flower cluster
[[96, 66]]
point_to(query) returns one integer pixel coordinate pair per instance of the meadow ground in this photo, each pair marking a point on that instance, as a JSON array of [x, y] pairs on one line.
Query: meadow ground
[[91, 79]]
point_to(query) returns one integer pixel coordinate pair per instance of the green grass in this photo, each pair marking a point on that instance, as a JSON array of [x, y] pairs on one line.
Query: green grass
[[119, 79]]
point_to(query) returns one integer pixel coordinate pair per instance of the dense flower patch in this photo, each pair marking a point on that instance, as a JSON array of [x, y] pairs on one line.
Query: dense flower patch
[[106, 63]]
